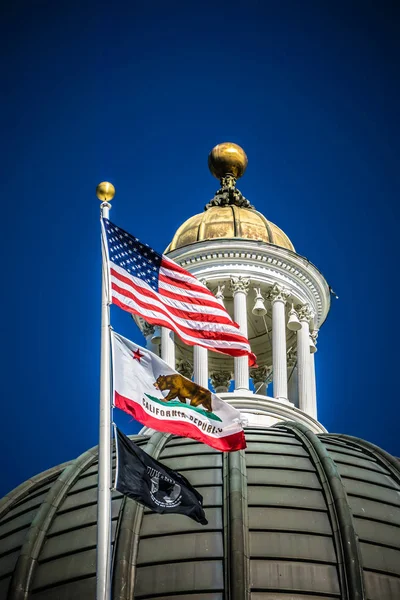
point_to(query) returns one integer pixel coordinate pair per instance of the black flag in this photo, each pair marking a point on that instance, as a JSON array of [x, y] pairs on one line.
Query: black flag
[[154, 485]]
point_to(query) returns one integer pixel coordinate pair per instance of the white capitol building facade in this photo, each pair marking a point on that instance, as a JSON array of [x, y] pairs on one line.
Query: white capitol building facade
[[279, 299]]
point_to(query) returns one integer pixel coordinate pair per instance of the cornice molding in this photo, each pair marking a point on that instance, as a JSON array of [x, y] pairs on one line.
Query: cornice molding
[[262, 263]]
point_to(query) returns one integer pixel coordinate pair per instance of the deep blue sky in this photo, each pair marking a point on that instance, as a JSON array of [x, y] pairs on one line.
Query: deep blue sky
[[138, 95]]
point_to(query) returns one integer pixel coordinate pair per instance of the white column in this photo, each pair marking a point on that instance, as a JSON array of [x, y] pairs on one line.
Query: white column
[[313, 413], [240, 287], [303, 359], [168, 346], [278, 296], [200, 366]]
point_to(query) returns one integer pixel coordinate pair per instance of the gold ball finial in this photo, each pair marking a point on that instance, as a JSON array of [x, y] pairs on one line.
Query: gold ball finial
[[227, 159], [105, 191]]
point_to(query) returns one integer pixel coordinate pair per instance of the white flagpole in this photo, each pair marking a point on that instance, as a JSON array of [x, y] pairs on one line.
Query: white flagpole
[[105, 191]]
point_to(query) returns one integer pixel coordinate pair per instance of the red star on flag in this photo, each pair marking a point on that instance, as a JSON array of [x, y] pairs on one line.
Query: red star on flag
[[137, 355]]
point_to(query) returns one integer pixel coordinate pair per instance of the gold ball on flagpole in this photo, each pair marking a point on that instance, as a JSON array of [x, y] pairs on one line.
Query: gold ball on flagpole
[[105, 191]]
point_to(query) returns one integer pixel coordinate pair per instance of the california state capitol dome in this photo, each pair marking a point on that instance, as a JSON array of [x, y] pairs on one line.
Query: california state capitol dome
[[301, 514], [228, 214]]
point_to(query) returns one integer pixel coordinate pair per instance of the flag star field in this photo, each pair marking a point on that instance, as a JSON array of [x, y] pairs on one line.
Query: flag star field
[[128, 252]]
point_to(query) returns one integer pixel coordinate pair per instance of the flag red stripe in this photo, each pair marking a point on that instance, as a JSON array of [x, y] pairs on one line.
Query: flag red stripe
[[193, 300], [205, 320], [228, 443], [200, 333], [182, 313], [182, 284], [170, 264], [207, 299], [209, 303], [235, 352]]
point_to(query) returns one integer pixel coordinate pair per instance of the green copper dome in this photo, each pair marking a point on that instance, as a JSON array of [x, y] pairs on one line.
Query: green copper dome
[[295, 517]]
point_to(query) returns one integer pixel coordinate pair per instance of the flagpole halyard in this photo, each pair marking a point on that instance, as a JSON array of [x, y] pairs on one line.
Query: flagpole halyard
[[105, 191]]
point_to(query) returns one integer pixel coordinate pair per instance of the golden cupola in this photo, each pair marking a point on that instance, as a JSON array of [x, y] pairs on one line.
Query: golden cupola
[[229, 214]]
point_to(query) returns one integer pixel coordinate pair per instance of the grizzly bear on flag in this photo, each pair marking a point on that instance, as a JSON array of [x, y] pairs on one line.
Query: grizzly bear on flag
[[182, 388]]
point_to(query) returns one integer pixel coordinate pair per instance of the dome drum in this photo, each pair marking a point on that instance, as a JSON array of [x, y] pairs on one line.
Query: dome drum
[[217, 261]]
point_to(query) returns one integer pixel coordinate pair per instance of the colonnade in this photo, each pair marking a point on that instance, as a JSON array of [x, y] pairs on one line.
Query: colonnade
[[297, 363]]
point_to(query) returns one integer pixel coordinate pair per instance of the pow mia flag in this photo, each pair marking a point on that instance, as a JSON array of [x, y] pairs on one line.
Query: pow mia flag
[[153, 484]]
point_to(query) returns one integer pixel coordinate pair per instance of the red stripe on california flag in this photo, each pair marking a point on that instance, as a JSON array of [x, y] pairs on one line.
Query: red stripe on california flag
[[228, 443]]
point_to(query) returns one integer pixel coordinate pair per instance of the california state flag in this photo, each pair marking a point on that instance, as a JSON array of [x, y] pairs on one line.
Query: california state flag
[[162, 399]]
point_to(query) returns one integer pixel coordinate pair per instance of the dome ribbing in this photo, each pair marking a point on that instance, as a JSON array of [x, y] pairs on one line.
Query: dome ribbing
[[229, 222], [296, 515]]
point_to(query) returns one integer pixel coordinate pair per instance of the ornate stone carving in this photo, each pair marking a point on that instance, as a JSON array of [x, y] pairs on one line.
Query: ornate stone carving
[[314, 335], [291, 357], [277, 292], [305, 312], [185, 368], [240, 284], [228, 194], [204, 282], [147, 329], [220, 380], [261, 375]]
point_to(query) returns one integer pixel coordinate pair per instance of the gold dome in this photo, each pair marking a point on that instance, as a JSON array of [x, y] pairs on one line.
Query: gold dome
[[229, 222], [229, 214]]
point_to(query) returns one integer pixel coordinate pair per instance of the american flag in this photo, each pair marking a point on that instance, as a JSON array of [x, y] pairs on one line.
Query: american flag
[[157, 289]]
